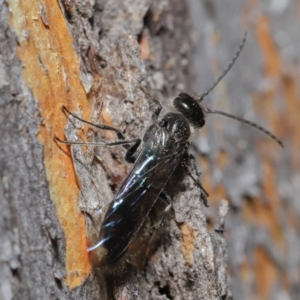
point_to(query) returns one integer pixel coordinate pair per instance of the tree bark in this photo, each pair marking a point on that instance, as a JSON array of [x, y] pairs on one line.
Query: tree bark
[[93, 57]]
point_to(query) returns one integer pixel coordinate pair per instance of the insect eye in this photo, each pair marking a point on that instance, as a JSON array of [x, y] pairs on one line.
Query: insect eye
[[190, 108]]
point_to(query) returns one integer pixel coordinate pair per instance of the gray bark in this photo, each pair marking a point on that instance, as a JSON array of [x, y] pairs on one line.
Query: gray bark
[[168, 46]]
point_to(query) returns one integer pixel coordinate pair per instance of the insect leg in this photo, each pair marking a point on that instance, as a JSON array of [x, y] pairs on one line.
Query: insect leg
[[130, 156], [109, 144], [155, 106], [190, 161], [122, 141], [99, 126], [166, 197], [168, 200]]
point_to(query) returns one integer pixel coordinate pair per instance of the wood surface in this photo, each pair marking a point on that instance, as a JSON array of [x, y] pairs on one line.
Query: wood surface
[[89, 55]]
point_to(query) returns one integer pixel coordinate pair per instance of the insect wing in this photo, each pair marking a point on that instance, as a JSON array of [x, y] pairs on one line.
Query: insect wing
[[138, 194]]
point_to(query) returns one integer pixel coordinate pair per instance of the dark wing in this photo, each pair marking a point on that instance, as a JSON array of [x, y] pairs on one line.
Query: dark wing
[[139, 192]]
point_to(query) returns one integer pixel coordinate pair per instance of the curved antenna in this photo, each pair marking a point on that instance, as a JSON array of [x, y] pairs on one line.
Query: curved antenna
[[227, 69], [267, 132]]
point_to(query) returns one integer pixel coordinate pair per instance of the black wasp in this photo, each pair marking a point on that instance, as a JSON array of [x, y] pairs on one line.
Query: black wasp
[[164, 147]]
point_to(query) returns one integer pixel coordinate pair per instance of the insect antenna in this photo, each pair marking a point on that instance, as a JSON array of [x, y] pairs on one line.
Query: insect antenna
[[227, 69], [267, 132]]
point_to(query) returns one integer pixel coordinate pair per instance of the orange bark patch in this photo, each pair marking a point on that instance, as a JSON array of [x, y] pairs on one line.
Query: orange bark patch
[[284, 85], [264, 216], [270, 52], [284, 121], [222, 159], [145, 49], [188, 246], [245, 272], [291, 119], [51, 71], [266, 273], [272, 70]]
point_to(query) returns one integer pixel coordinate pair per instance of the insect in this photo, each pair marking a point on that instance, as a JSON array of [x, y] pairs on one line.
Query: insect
[[164, 148]]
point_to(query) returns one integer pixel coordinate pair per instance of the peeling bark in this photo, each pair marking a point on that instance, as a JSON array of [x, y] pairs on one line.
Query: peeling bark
[[87, 55]]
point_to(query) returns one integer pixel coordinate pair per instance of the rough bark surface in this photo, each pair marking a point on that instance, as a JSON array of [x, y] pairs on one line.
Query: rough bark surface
[[92, 54]]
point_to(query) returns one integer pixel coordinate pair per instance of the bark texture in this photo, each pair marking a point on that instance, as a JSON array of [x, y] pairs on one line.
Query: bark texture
[[93, 57]]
